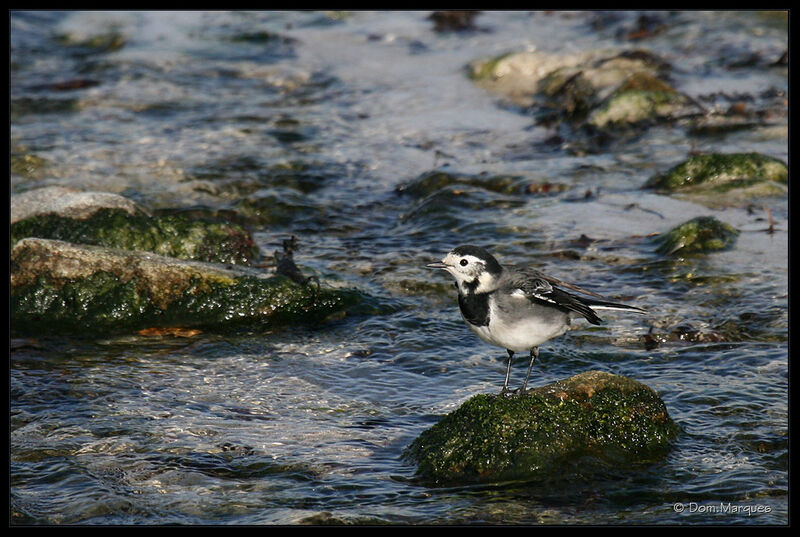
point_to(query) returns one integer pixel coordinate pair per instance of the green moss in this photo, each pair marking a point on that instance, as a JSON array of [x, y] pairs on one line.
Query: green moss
[[720, 172], [171, 235], [485, 69], [430, 182], [492, 438], [635, 105], [104, 302], [99, 302], [58, 285], [699, 235]]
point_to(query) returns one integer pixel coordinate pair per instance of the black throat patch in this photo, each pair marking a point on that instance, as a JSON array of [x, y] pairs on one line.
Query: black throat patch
[[475, 308]]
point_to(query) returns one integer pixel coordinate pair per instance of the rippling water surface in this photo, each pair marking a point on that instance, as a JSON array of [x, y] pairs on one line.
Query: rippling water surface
[[308, 123]]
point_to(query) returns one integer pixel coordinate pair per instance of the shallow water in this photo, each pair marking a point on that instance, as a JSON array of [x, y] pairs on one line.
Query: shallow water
[[308, 424]]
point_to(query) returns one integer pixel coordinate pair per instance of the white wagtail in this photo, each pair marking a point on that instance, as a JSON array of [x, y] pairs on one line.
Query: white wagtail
[[516, 308]]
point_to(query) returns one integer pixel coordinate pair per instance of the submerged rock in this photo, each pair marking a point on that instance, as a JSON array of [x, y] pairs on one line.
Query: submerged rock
[[721, 172], [724, 180], [698, 235], [430, 182], [106, 219], [57, 285], [642, 97], [593, 414], [598, 89], [518, 75]]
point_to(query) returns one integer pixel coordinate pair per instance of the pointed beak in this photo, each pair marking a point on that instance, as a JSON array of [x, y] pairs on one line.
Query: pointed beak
[[437, 265]]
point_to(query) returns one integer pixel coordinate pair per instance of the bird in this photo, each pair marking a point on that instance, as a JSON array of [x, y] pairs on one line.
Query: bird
[[517, 308]]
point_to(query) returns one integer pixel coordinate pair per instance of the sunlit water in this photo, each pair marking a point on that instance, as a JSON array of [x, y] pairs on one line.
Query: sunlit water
[[309, 424]]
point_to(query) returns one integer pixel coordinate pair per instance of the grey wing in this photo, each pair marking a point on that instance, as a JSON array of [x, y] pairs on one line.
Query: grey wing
[[536, 287], [533, 273]]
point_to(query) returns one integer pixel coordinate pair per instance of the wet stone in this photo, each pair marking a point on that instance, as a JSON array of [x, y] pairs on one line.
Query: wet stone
[[642, 97], [106, 219], [79, 288], [599, 87], [431, 182], [699, 235], [66, 202], [720, 173], [594, 415]]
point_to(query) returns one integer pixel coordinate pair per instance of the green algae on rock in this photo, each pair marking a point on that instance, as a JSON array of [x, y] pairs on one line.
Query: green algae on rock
[[698, 235], [593, 414], [609, 88], [69, 287], [430, 182], [718, 172], [106, 219], [518, 75], [172, 235], [635, 102]]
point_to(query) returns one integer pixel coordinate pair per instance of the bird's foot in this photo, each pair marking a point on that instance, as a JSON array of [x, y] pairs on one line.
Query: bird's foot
[[519, 392], [505, 392]]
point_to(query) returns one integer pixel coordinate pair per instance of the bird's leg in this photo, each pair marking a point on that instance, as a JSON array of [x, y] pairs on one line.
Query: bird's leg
[[505, 389], [534, 355]]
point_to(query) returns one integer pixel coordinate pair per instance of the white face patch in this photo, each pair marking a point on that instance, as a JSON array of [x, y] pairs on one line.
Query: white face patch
[[468, 268]]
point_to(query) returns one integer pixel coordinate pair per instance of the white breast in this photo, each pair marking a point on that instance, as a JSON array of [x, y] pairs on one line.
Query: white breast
[[522, 333]]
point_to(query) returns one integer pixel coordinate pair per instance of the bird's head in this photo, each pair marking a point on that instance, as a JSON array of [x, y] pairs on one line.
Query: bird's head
[[475, 269]]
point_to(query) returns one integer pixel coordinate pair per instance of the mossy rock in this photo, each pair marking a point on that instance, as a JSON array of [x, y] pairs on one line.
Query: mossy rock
[[699, 235], [172, 235], [491, 438], [633, 106], [518, 75], [571, 86], [67, 202], [61, 286], [430, 182], [718, 172]]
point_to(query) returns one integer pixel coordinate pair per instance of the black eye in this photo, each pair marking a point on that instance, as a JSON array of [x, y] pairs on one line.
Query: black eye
[[464, 262]]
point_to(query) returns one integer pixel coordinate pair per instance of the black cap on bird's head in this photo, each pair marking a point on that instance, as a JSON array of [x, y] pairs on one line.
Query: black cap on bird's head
[[490, 263], [473, 268]]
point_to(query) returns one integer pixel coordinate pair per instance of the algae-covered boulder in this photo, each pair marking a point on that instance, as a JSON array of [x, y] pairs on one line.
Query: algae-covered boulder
[[603, 89], [106, 219], [642, 97], [491, 438], [61, 286], [720, 173], [698, 235], [518, 75], [430, 182]]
